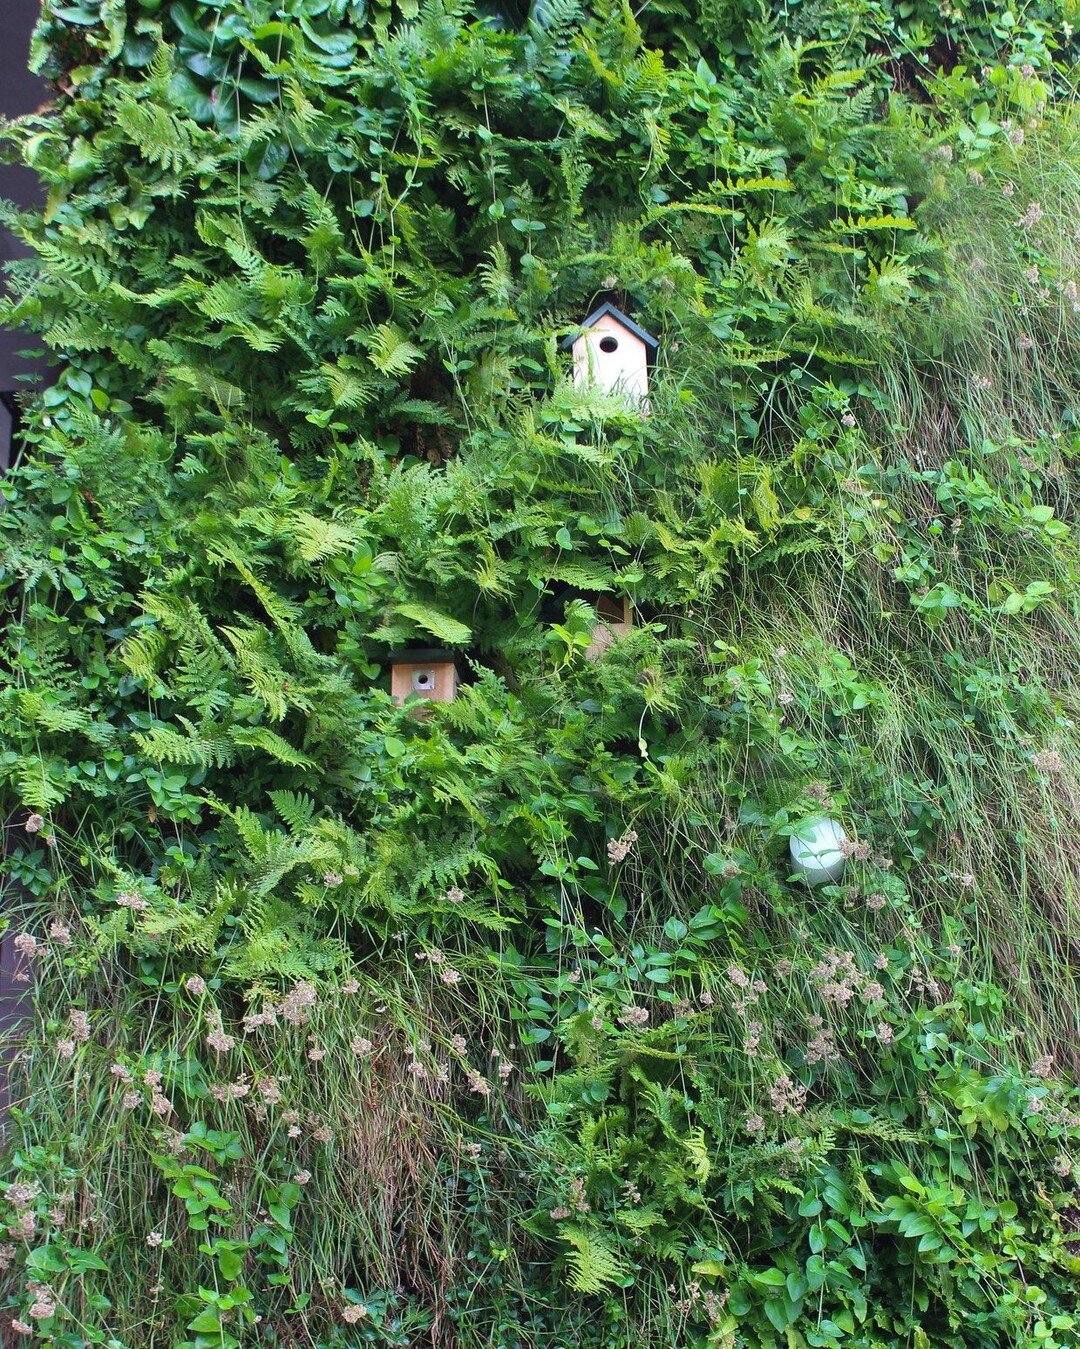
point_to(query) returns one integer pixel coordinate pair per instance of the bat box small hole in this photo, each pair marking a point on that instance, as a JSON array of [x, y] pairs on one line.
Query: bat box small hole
[[609, 344]]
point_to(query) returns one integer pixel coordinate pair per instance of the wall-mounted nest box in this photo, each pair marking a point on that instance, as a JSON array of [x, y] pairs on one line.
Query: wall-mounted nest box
[[613, 352], [613, 620], [431, 673]]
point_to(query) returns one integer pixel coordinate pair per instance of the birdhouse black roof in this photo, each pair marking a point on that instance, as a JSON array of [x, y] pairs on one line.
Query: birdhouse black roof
[[423, 655], [651, 343]]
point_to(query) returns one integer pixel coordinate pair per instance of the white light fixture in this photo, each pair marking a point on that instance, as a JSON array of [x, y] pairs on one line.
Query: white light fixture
[[817, 851]]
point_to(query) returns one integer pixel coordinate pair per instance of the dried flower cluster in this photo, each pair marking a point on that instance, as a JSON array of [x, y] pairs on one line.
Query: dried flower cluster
[[619, 849]]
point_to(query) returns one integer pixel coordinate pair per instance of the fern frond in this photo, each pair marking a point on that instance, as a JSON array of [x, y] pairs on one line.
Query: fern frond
[[390, 350], [594, 1265]]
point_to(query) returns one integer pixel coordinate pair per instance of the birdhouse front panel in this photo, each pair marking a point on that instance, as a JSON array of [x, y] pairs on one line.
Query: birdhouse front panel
[[433, 679], [610, 356], [614, 620]]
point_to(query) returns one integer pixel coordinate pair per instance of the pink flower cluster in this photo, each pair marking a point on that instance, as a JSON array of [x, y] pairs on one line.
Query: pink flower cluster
[[822, 1048], [618, 849], [837, 977], [22, 1196], [786, 1096], [853, 848], [751, 990], [295, 1007], [218, 1039]]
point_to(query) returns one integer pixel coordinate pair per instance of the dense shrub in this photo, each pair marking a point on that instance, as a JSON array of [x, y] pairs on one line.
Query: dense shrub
[[508, 1025]]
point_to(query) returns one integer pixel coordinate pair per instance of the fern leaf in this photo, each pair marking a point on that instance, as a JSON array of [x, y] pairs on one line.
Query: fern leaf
[[295, 809], [261, 737], [594, 1266], [441, 625], [390, 350]]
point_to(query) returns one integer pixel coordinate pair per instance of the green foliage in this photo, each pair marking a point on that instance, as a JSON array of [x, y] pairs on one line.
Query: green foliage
[[506, 1024]]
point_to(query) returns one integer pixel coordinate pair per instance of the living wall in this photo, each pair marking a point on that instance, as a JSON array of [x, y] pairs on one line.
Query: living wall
[[509, 1025]]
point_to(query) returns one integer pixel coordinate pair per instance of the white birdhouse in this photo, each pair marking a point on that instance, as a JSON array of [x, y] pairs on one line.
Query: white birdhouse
[[612, 352], [817, 851]]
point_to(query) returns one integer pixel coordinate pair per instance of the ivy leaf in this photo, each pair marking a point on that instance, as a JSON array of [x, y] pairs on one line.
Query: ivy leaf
[[85, 15], [267, 161], [191, 97]]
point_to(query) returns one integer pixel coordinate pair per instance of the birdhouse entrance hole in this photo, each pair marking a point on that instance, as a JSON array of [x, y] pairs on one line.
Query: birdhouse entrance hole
[[609, 344], [423, 681]]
